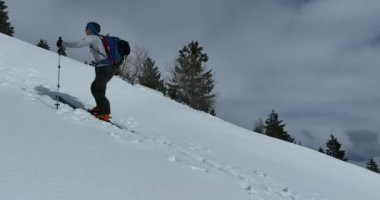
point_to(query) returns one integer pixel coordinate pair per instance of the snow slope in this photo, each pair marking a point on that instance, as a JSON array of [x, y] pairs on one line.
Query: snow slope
[[168, 152]]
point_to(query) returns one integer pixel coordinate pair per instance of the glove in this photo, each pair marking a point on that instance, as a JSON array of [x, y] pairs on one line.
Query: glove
[[59, 42], [61, 51]]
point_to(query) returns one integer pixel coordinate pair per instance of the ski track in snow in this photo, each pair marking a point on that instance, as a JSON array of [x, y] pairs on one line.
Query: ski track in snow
[[190, 157]]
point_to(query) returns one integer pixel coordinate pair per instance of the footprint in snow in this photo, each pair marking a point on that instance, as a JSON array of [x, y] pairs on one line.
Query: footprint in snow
[[125, 138], [129, 122], [199, 148], [186, 164]]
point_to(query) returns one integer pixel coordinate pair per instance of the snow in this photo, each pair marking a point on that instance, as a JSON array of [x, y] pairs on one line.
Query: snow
[[167, 151]]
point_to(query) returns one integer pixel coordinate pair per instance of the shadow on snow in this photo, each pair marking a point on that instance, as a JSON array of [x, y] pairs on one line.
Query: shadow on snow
[[62, 97]]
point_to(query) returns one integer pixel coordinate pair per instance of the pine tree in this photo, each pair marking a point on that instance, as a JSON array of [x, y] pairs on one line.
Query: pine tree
[[321, 150], [275, 128], [333, 148], [259, 126], [372, 165], [5, 26], [43, 44], [190, 83], [151, 77]]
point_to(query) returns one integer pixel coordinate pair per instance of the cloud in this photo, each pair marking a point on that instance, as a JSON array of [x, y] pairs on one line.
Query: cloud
[[317, 57], [308, 135], [364, 144]]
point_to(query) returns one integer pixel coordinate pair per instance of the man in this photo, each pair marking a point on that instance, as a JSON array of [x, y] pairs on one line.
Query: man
[[103, 70]]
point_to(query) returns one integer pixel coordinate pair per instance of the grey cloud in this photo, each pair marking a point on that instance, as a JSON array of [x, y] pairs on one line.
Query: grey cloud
[[365, 144], [308, 135], [362, 137], [307, 138], [356, 157]]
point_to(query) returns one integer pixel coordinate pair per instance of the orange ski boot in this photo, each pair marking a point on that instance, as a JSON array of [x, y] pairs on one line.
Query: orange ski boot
[[104, 117]]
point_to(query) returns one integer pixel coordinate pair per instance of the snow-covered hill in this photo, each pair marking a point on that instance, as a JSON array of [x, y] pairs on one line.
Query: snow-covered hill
[[168, 152]]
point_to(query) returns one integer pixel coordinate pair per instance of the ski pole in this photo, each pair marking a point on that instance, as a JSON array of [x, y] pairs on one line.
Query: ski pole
[[59, 74]]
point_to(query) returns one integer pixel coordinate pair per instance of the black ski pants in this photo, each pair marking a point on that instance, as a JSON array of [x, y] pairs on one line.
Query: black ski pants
[[98, 87]]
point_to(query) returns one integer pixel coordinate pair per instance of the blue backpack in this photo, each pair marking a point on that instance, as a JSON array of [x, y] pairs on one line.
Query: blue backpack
[[116, 50]]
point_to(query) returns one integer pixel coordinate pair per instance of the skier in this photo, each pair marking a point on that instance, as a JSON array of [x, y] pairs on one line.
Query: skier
[[103, 72]]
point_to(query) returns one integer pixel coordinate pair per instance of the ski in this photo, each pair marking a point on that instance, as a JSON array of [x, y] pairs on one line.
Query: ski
[[74, 106]]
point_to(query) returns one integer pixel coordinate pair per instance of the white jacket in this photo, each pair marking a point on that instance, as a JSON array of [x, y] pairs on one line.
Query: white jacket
[[95, 44]]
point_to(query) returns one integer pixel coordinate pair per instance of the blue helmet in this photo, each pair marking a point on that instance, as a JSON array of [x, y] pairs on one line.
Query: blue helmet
[[93, 27]]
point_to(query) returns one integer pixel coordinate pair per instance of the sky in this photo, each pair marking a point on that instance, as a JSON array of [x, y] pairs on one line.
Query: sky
[[315, 62]]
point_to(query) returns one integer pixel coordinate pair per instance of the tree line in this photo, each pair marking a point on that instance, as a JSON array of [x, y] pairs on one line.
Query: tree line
[[274, 127], [189, 81]]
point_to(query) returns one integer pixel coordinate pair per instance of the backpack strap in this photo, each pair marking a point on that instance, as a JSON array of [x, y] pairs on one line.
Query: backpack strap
[[97, 51], [106, 49]]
